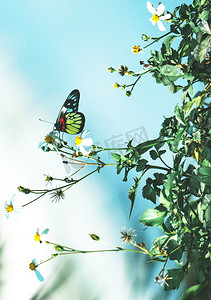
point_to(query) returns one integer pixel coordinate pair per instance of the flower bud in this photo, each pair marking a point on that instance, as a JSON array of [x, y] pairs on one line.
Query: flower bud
[[23, 190], [111, 70], [94, 237], [116, 85]]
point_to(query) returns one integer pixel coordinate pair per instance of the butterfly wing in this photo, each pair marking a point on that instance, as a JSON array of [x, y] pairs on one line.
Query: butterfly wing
[[74, 122], [69, 120], [71, 104]]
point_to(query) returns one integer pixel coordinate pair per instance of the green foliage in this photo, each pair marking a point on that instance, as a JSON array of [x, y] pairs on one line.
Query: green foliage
[[182, 188], [154, 217], [175, 277], [192, 292]]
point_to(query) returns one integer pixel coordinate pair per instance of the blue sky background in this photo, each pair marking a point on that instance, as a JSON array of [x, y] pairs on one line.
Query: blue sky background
[[49, 48]]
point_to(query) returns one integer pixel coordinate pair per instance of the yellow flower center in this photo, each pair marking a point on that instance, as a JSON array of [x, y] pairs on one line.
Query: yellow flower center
[[136, 49], [9, 208], [47, 178], [78, 140], [115, 85], [155, 18], [49, 139], [37, 237], [32, 266]]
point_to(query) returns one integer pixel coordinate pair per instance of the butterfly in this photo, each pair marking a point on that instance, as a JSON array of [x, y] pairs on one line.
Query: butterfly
[[69, 120]]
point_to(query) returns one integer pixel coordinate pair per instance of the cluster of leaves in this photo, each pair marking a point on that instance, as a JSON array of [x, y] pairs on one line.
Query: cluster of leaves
[[190, 61], [181, 191]]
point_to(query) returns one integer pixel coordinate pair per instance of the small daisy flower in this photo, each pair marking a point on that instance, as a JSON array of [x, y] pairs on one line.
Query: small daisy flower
[[51, 140], [127, 236], [48, 179], [82, 142], [158, 15], [32, 266], [37, 236], [10, 209]]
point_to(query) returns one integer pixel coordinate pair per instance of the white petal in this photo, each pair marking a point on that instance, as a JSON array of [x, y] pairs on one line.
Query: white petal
[[150, 8], [152, 21], [87, 142], [166, 17], [160, 9], [85, 132], [161, 26], [83, 151]]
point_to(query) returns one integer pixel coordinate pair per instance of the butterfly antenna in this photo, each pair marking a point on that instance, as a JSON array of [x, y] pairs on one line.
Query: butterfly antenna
[[45, 121]]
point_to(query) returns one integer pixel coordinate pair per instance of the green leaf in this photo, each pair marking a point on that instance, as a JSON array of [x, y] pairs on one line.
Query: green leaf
[[175, 277], [170, 74], [193, 292], [204, 48], [149, 193], [159, 178], [163, 200], [153, 217], [183, 11], [173, 88], [169, 183], [141, 165], [169, 40], [177, 140], [175, 253], [205, 175], [194, 184], [174, 29], [204, 15], [180, 116], [132, 193], [145, 146], [161, 152], [116, 157], [153, 154], [158, 245], [189, 105], [208, 215]]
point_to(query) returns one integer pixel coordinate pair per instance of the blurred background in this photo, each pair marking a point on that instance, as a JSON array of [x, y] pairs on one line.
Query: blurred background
[[49, 48]]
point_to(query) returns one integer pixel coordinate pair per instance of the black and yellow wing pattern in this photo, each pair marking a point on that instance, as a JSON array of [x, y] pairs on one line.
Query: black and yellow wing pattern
[[69, 120]]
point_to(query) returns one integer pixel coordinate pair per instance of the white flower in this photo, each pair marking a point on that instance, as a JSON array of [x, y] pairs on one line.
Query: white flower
[[157, 15], [11, 210], [82, 142], [51, 141]]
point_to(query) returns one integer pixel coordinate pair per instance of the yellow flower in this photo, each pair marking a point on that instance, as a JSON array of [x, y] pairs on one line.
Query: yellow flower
[[115, 85], [38, 235], [136, 49]]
